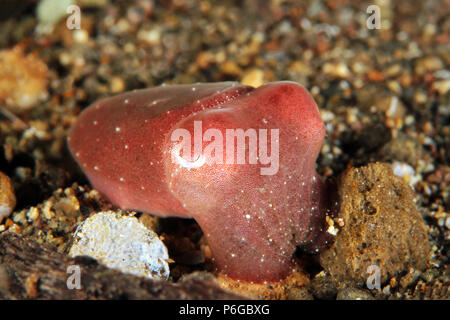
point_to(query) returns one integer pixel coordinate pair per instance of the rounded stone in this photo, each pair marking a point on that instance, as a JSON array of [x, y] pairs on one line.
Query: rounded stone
[[123, 243], [7, 196]]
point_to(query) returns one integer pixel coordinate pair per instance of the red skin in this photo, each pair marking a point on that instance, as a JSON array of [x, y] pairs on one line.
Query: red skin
[[252, 222]]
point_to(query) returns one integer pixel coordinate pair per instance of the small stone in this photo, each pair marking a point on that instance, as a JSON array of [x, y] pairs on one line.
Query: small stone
[[7, 196], [123, 243], [253, 77], [149, 221], [429, 275], [375, 76], [31, 285], [33, 213], [393, 70], [230, 68], [204, 59], [336, 69], [47, 210], [431, 63], [354, 294], [299, 71], [20, 218], [117, 84], [387, 290], [407, 172], [323, 287], [69, 206], [299, 294], [359, 68], [23, 80], [409, 278], [80, 36], [152, 37], [392, 106], [442, 86], [420, 97], [395, 87]]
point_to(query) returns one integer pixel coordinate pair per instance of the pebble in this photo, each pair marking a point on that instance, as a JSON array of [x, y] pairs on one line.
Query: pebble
[[410, 278], [354, 294], [123, 243], [394, 70], [431, 63], [387, 290], [231, 68], [299, 294], [117, 85], [392, 106], [299, 71], [442, 86], [253, 77], [80, 36], [152, 37], [7, 196], [407, 172], [429, 275], [336, 69], [23, 80], [323, 287]]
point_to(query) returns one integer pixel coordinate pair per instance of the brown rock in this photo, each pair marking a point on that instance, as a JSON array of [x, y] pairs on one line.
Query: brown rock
[[382, 227], [23, 80], [7, 196], [432, 63], [392, 106], [323, 287]]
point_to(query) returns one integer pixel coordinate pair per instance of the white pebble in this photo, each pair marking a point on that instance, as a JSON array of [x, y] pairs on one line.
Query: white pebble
[[123, 243]]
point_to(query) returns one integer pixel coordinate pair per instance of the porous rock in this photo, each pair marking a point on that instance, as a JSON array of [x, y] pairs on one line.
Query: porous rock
[[123, 243], [381, 226]]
